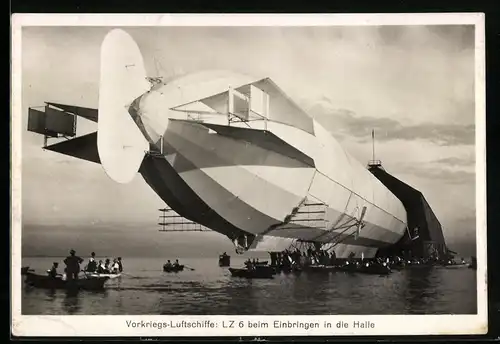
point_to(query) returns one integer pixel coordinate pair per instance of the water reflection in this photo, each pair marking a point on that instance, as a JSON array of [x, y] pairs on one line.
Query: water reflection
[[51, 294], [73, 299], [212, 290], [71, 302], [416, 288]]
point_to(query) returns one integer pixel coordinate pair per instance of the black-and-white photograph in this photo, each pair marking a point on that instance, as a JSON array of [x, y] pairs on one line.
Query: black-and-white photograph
[[249, 170]]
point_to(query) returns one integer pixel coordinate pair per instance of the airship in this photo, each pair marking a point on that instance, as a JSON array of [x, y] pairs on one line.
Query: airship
[[237, 155]]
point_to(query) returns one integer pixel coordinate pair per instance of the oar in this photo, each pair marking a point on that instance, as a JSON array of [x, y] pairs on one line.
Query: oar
[[192, 269], [127, 274]]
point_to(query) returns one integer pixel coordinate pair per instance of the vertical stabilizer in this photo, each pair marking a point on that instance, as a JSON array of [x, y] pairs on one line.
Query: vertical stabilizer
[[120, 143]]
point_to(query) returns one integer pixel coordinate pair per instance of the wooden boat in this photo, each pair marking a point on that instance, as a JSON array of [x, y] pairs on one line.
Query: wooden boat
[[372, 269], [48, 282], [261, 263], [97, 275], [290, 270], [473, 263], [420, 265], [224, 260], [173, 268], [257, 272], [286, 269], [375, 269], [455, 266], [321, 268]]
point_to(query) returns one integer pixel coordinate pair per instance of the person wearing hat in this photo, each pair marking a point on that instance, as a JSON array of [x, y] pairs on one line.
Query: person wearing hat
[[115, 268], [92, 264], [100, 267], [53, 271], [120, 265], [72, 265]]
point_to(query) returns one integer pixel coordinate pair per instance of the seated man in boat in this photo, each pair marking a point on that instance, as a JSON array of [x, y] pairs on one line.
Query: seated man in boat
[[333, 258], [107, 267], [115, 268], [100, 267], [53, 271], [168, 264], [176, 264], [249, 264], [92, 264], [72, 265], [120, 265]]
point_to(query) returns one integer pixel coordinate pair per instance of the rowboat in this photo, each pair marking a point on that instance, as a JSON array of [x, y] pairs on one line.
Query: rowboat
[[97, 275], [257, 272], [286, 269], [261, 263], [48, 282], [224, 260], [455, 266], [473, 263], [173, 268], [321, 268], [373, 269]]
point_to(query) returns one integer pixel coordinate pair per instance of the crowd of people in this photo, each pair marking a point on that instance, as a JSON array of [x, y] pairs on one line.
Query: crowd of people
[[251, 263], [73, 266], [296, 258], [288, 258]]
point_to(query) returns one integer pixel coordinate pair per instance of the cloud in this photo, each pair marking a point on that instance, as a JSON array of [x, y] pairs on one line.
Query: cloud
[[457, 161], [428, 171], [347, 123]]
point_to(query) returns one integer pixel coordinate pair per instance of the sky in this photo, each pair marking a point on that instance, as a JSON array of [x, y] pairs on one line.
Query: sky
[[414, 85]]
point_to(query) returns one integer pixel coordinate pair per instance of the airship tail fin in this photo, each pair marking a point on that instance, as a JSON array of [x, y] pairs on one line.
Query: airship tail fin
[[120, 143]]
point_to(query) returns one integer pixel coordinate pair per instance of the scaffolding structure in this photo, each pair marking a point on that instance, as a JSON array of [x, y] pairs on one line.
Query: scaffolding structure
[[170, 221]]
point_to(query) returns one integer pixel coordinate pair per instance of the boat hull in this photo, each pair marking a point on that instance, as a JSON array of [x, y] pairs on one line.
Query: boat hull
[[173, 269], [259, 272], [224, 261], [47, 282], [110, 276], [363, 269]]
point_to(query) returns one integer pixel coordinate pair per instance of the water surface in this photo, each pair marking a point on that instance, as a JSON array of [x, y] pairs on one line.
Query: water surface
[[210, 289]]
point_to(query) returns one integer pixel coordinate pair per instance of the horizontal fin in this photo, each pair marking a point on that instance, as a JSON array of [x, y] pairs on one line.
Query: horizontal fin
[[88, 113], [83, 147]]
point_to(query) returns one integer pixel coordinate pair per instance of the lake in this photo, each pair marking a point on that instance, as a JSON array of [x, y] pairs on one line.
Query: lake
[[210, 290]]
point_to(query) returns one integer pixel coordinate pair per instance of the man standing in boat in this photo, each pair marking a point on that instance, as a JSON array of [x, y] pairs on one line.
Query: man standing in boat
[[72, 265]]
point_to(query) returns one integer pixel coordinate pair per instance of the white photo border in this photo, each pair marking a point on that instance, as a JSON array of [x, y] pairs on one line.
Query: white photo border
[[103, 326]]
